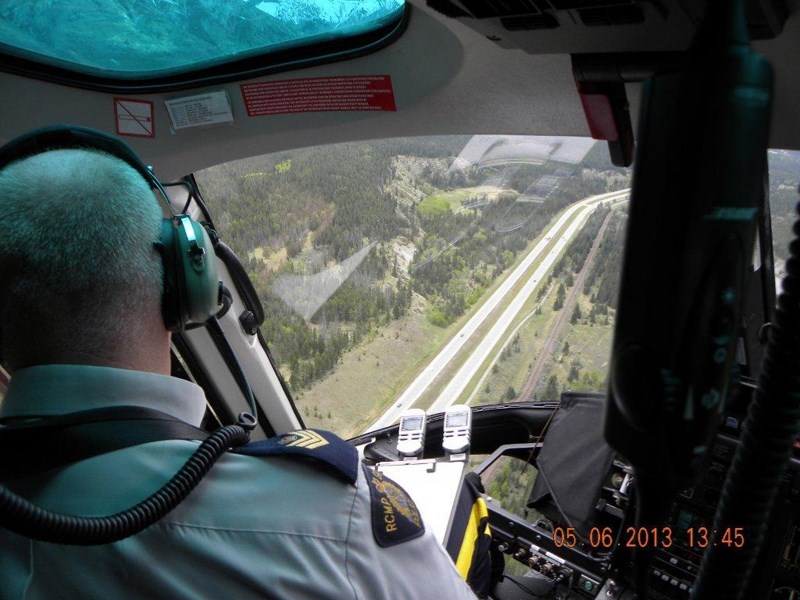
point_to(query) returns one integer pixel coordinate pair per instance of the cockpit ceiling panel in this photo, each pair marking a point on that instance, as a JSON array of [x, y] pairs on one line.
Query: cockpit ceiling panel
[[599, 26]]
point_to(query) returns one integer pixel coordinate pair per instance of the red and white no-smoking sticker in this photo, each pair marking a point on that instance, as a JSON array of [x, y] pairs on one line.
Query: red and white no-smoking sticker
[[319, 94], [134, 117]]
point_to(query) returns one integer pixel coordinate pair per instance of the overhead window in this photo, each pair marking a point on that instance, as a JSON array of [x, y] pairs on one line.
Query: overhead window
[[145, 39]]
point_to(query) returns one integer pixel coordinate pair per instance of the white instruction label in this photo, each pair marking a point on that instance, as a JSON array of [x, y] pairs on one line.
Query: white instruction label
[[211, 108]]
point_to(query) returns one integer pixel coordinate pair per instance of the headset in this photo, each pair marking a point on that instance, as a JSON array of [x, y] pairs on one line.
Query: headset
[[192, 289]]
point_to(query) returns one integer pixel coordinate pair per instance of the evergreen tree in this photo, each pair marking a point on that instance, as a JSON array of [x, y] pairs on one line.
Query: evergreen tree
[[574, 372], [576, 314], [561, 295], [552, 391]]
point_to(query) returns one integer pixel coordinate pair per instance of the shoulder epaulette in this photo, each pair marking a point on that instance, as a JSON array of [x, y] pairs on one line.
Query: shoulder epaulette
[[321, 446]]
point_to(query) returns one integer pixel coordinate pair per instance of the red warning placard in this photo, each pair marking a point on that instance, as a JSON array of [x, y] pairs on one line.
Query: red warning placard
[[319, 94]]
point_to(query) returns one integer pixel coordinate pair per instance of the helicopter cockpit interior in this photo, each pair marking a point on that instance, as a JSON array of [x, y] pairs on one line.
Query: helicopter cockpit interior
[[537, 246]]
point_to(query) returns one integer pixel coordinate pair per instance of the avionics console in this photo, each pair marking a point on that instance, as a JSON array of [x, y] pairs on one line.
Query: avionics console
[[777, 573], [585, 568], [576, 566]]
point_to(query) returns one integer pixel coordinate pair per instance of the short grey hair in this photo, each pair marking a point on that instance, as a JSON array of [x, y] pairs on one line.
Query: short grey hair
[[78, 264]]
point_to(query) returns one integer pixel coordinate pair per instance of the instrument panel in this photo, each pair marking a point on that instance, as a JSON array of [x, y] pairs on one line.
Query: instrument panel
[[582, 568], [548, 556]]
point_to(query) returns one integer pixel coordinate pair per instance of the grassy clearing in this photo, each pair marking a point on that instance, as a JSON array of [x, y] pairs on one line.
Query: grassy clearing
[[456, 198], [434, 207], [372, 375], [589, 347], [273, 260]]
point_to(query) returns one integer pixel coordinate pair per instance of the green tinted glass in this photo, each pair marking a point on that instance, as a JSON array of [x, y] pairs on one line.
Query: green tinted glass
[[141, 38]]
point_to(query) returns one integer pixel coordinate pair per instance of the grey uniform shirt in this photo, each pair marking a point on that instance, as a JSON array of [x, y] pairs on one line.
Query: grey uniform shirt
[[255, 527]]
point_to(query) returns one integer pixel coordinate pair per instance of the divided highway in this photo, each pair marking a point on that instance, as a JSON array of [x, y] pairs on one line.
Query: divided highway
[[462, 378]]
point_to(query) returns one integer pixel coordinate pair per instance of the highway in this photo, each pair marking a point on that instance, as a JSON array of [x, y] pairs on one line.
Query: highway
[[454, 388]]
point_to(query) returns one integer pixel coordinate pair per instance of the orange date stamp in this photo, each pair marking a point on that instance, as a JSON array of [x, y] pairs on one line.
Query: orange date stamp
[[650, 537]]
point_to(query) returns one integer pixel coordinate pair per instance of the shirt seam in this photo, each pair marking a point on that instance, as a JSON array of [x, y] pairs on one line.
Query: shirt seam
[[347, 544], [26, 590], [265, 531]]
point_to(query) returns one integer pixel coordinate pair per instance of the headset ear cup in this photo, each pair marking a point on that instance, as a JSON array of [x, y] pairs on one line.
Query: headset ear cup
[[170, 297], [197, 280]]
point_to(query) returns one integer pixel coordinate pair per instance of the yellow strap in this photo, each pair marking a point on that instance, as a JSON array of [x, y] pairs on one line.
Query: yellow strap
[[471, 533]]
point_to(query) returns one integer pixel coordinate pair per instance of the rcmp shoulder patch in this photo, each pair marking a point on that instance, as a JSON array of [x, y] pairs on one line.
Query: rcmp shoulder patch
[[395, 517], [321, 446]]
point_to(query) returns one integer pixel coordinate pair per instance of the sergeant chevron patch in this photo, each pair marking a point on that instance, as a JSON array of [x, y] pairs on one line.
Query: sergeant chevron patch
[[304, 438]]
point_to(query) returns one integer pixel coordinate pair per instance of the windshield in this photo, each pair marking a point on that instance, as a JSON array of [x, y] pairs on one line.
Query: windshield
[[157, 37], [784, 178], [429, 271]]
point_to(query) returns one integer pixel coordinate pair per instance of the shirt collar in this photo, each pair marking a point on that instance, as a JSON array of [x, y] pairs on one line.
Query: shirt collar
[[47, 390]]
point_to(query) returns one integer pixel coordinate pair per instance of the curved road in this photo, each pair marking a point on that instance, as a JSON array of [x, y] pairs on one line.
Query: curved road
[[421, 383]]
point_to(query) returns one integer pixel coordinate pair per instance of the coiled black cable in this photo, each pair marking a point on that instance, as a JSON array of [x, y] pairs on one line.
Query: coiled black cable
[[764, 452], [23, 517]]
